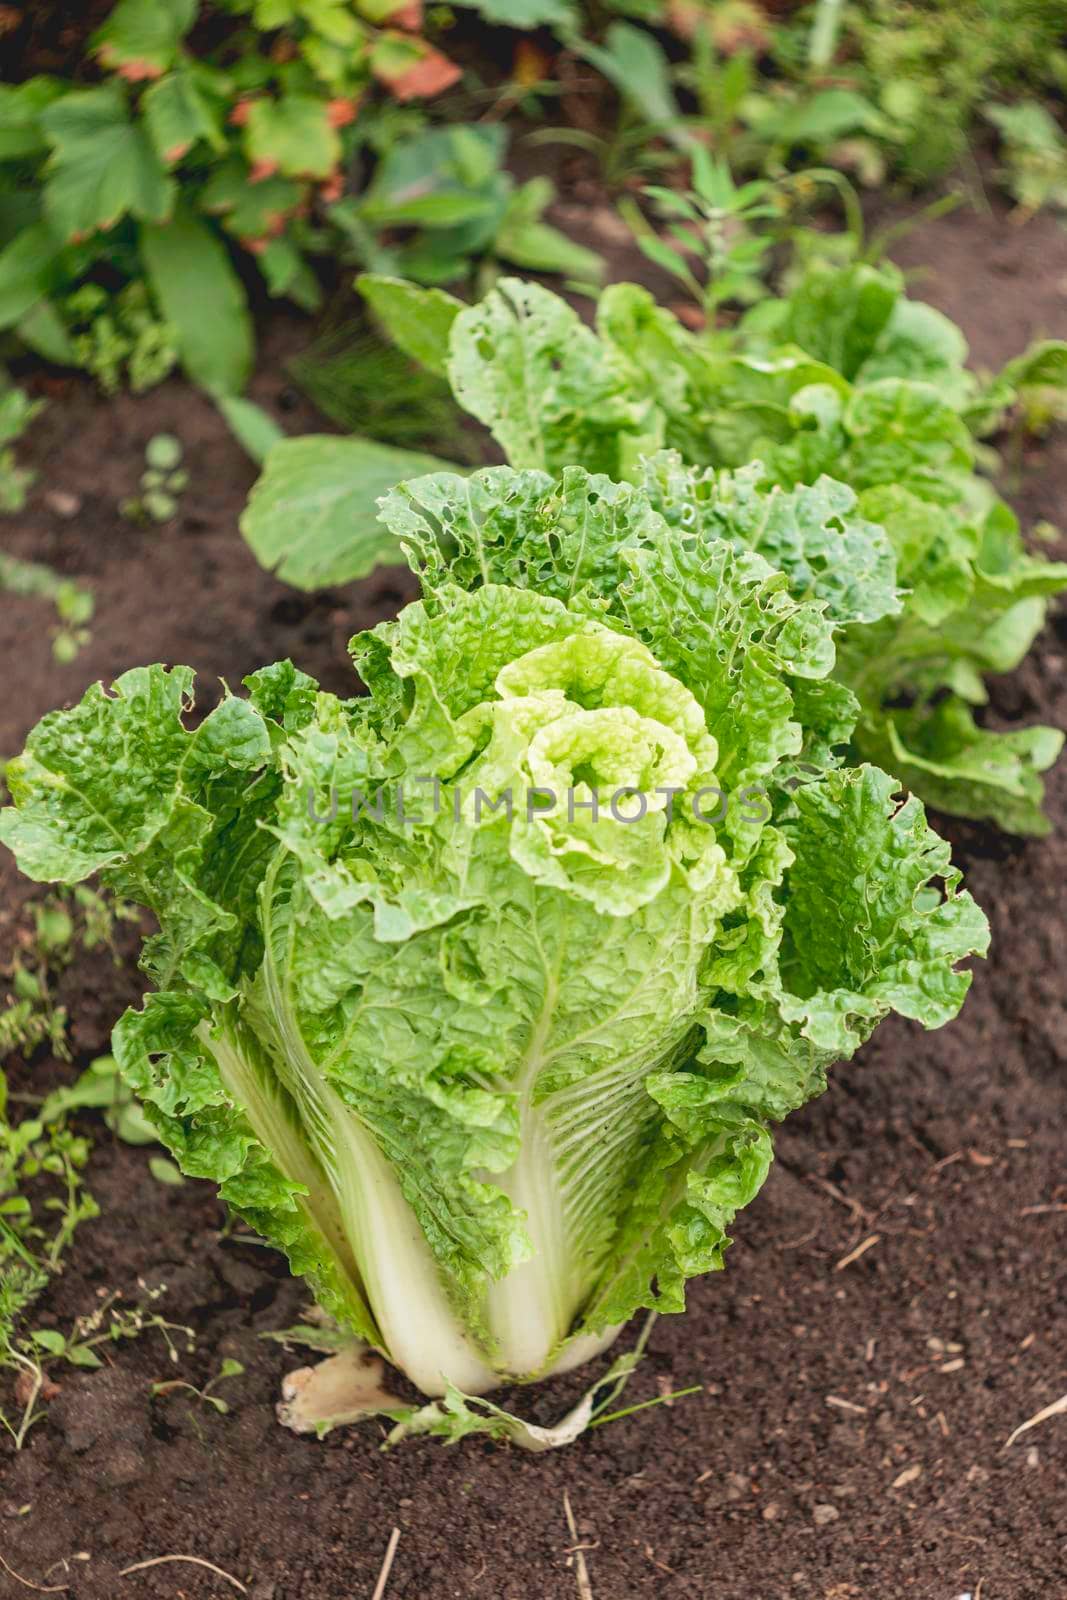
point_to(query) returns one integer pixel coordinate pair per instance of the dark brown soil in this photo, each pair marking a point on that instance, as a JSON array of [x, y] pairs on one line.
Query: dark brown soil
[[849, 1440]]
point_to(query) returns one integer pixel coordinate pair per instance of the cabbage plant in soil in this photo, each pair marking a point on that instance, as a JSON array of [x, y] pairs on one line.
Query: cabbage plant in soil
[[493, 1077]]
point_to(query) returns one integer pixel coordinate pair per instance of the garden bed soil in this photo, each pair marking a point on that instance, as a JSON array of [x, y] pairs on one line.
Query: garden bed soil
[[849, 1440]]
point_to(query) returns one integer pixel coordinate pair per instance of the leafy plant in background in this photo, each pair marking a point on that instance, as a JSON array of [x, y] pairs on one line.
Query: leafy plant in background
[[31, 1016], [1034, 153], [650, 131], [878, 90], [149, 178], [842, 379], [496, 1078], [724, 226], [889, 89], [449, 183], [316, 525], [297, 131]]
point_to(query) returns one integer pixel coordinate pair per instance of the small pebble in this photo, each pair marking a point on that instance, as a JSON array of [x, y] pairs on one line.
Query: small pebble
[[62, 502]]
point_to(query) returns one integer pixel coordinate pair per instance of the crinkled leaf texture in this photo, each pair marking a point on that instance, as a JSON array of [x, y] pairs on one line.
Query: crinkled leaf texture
[[495, 1076], [856, 402]]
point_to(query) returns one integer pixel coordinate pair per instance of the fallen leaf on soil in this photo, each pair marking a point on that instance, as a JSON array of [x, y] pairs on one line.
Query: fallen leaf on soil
[[344, 1388]]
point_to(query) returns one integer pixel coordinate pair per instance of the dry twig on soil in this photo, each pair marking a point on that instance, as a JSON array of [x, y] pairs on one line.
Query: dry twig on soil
[[197, 1561], [861, 1249], [39, 1588], [581, 1571], [387, 1565], [1057, 1409]]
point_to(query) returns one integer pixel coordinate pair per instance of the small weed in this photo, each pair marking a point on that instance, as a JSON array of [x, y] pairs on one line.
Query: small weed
[[33, 1354], [43, 1198], [730, 228], [163, 482], [74, 605], [17, 411], [57, 928], [229, 1369], [1034, 156], [119, 338]]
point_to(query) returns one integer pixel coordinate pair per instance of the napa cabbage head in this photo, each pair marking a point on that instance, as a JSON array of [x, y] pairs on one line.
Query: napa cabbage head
[[479, 994]]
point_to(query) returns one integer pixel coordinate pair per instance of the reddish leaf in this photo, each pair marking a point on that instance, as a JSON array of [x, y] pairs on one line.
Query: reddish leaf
[[339, 113], [408, 15], [419, 77], [295, 134], [132, 71], [261, 169]]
